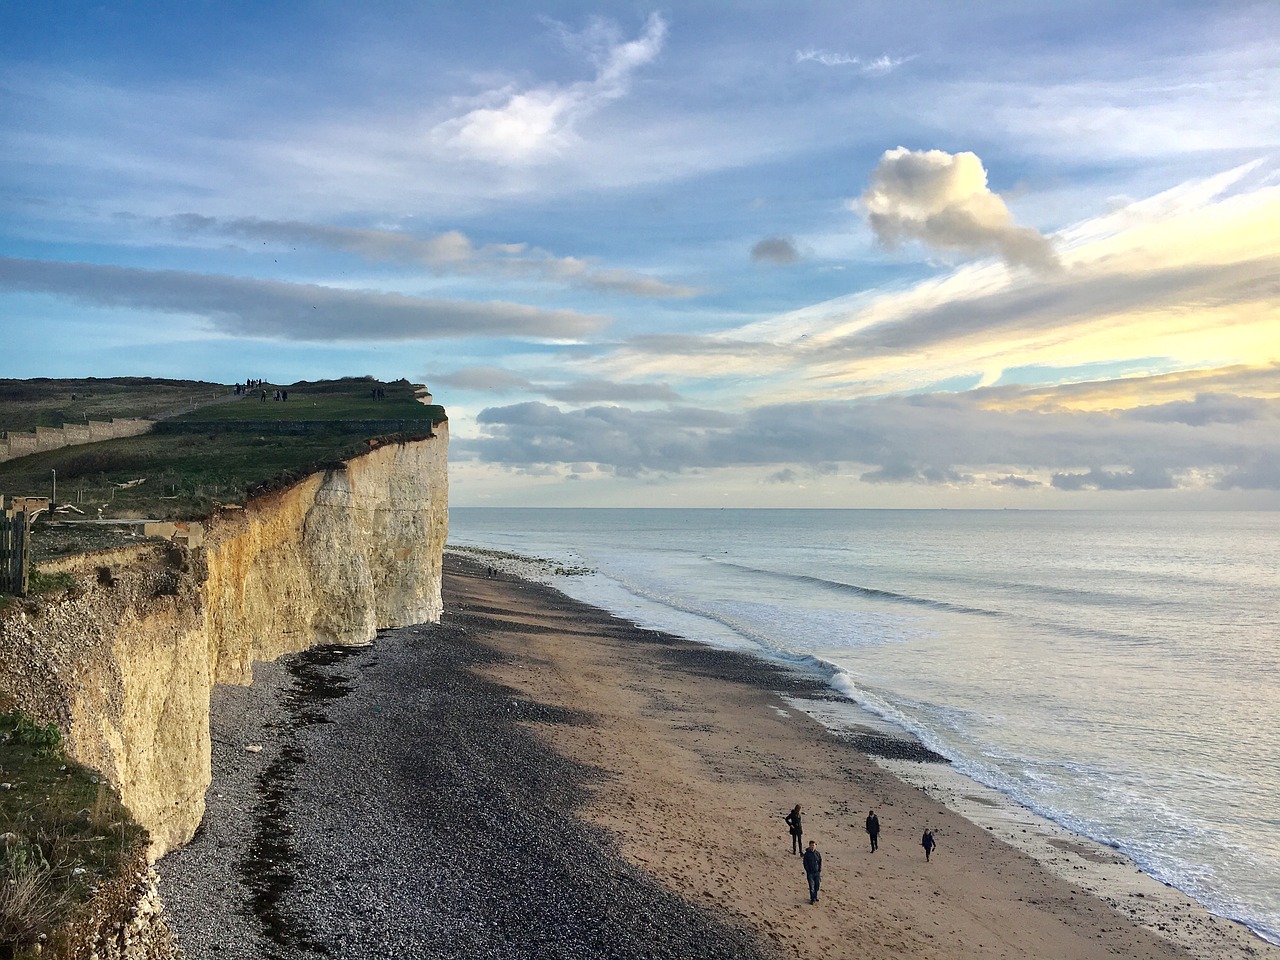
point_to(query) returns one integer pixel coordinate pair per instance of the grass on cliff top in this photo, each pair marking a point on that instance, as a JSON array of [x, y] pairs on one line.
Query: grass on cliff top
[[214, 460], [63, 831], [347, 399], [26, 404], [44, 402]]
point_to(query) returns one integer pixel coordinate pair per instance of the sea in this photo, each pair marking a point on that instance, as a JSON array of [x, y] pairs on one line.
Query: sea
[[1116, 673]]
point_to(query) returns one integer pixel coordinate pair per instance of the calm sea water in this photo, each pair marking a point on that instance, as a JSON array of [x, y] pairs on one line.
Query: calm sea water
[[1117, 673]]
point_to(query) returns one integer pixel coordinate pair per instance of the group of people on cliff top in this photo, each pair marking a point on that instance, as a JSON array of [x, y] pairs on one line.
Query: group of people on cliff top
[[812, 858]]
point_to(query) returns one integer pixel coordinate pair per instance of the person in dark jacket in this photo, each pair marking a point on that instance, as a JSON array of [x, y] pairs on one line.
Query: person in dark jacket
[[928, 843], [797, 830], [873, 830], [813, 870]]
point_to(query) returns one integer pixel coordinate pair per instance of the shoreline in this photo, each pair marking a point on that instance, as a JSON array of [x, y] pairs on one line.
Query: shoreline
[[609, 791], [1099, 869]]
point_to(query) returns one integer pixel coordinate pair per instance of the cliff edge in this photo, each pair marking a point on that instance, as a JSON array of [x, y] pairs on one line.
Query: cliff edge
[[124, 662]]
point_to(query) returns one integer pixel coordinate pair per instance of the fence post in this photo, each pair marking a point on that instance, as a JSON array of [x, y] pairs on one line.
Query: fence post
[[14, 553]]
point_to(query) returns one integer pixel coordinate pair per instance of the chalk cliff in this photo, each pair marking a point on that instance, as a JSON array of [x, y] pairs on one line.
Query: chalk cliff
[[125, 662]]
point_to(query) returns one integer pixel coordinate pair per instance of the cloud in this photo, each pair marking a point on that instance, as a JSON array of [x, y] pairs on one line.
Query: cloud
[[523, 126], [598, 391], [1065, 301], [1150, 478], [1205, 409], [696, 345], [1158, 392], [922, 439], [449, 252], [1019, 483], [776, 250], [1184, 287], [272, 309], [943, 201], [876, 67], [495, 380], [491, 379]]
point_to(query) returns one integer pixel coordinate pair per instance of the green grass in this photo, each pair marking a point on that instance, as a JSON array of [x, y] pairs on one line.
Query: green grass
[[347, 399], [214, 455], [184, 475], [64, 831], [44, 402]]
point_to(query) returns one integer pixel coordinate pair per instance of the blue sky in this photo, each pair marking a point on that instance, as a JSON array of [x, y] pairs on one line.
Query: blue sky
[[712, 254]]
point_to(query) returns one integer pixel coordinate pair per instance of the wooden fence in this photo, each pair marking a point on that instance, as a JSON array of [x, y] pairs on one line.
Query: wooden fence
[[15, 529]]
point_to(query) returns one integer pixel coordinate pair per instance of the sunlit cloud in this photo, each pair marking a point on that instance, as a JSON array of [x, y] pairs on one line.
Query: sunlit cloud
[[521, 126], [1125, 393], [272, 309], [942, 200], [1182, 285]]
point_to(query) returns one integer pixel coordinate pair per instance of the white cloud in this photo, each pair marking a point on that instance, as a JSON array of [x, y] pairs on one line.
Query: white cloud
[[875, 67], [943, 201], [519, 127]]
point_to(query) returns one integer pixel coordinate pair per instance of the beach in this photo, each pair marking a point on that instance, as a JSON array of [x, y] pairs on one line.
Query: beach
[[533, 777]]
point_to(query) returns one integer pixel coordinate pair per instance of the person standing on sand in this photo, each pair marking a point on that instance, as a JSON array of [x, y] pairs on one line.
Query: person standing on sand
[[813, 870], [928, 843], [873, 830], [797, 831]]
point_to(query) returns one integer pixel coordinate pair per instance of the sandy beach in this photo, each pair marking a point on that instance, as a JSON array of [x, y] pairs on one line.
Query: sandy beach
[[558, 782]]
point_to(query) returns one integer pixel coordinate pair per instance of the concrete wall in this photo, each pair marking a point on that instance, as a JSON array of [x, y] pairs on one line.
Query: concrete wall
[[53, 438]]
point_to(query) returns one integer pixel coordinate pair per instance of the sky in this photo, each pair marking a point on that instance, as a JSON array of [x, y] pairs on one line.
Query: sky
[[1005, 254]]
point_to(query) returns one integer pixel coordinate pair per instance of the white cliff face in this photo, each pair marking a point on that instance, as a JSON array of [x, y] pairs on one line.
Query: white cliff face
[[127, 665], [330, 560]]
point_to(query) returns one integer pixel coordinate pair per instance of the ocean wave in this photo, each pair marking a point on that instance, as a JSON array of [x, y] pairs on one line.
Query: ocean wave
[[875, 593]]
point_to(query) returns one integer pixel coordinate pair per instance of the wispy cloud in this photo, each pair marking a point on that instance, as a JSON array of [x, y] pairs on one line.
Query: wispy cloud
[[874, 67], [449, 252], [521, 126], [495, 380], [272, 309]]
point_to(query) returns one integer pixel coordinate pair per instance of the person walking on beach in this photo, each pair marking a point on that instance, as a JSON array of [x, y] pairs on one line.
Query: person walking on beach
[[797, 831], [813, 870], [873, 830], [928, 843]]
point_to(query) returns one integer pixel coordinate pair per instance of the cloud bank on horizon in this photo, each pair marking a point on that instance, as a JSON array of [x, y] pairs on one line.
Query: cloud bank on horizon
[[781, 259]]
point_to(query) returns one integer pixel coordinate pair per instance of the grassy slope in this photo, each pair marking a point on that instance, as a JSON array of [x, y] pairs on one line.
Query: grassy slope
[[25, 404], [63, 831]]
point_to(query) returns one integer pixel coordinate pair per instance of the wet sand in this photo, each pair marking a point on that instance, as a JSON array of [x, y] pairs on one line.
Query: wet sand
[[535, 778]]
